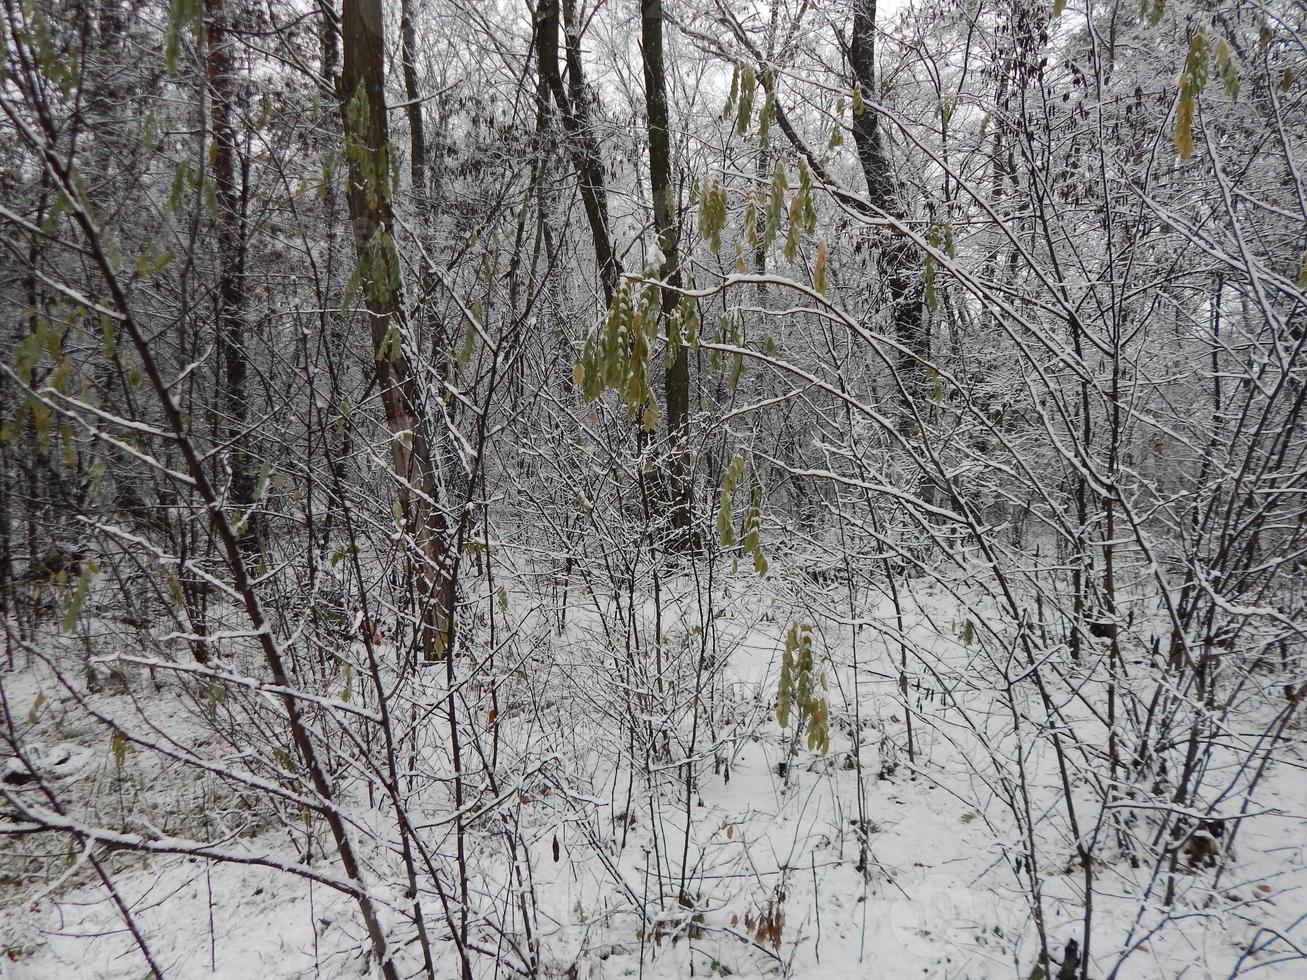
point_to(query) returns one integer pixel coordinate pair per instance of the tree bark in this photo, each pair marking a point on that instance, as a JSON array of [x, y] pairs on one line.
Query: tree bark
[[897, 257], [574, 111], [413, 106], [231, 313], [368, 151], [329, 40], [676, 388]]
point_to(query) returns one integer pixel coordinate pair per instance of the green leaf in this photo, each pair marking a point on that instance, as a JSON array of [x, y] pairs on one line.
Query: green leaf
[[182, 14], [261, 483], [469, 343], [1192, 81], [792, 236], [748, 85], [74, 607], [109, 330], [119, 746], [1184, 126], [734, 470], [801, 688], [150, 261], [1226, 66], [181, 180], [725, 525], [751, 540], [392, 347], [775, 204], [34, 713], [733, 93], [215, 694], [712, 215], [210, 197]]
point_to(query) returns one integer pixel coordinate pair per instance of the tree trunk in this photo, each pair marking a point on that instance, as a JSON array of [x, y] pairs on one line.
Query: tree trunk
[[229, 192], [897, 257], [329, 40], [368, 150], [413, 106], [676, 388], [573, 109]]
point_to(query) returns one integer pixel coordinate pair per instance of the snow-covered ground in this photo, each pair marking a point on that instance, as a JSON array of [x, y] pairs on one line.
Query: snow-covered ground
[[756, 868]]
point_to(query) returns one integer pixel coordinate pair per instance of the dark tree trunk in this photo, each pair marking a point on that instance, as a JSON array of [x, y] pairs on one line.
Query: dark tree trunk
[[228, 176], [368, 150], [574, 111], [413, 106], [897, 256], [329, 39], [677, 382]]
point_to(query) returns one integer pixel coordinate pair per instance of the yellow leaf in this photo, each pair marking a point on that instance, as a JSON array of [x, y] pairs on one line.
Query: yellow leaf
[[1184, 121]]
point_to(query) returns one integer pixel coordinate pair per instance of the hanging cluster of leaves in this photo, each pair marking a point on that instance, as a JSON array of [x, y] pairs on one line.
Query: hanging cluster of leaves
[[740, 101], [73, 607], [1192, 80], [730, 331], [616, 355], [457, 364], [725, 521], [28, 353], [712, 215], [766, 926], [59, 63], [837, 126], [802, 688], [39, 361], [748, 87], [682, 328], [215, 695], [375, 166], [749, 536], [1197, 67], [1226, 67], [183, 15], [939, 236], [798, 214], [377, 269], [775, 204], [766, 118], [183, 181], [803, 212]]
